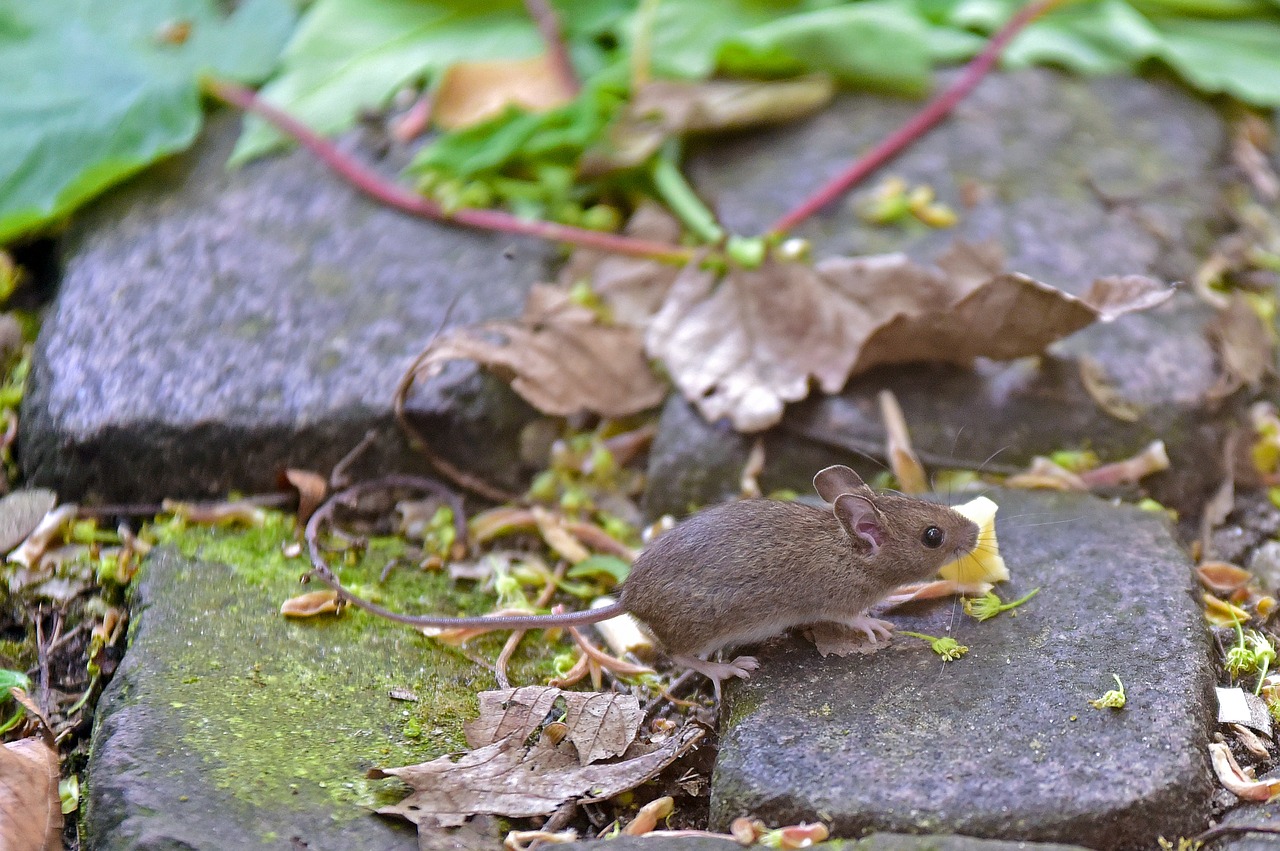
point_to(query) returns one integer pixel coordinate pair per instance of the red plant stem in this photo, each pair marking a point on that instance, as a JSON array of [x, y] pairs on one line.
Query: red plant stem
[[375, 186], [919, 124], [549, 26]]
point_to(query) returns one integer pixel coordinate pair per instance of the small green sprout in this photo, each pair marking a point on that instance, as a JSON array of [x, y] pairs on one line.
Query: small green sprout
[[10, 680], [946, 647], [440, 534], [1253, 651], [989, 605], [1114, 699]]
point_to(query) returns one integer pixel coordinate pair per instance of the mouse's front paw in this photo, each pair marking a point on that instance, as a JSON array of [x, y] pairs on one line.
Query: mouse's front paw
[[743, 666], [875, 629]]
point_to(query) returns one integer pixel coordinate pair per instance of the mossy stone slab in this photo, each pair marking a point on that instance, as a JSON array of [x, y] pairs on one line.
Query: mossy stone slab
[[228, 726], [214, 327], [1002, 743]]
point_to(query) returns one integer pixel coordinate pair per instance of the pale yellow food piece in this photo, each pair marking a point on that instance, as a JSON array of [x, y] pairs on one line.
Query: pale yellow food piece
[[984, 564]]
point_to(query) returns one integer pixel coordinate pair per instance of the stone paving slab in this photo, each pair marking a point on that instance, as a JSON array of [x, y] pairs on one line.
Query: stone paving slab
[[875, 842], [213, 328], [1076, 179], [1001, 743], [229, 727]]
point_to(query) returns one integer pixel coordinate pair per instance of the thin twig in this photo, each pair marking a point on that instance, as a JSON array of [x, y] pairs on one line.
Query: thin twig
[[514, 639], [920, 123], [338, 478], [549, 27], [418, 440], [375, 186], [1215, 833]]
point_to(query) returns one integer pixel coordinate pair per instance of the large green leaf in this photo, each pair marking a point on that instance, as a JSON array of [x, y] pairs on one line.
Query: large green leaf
[[1103, 37], [1239, 58], [881, 44], [94, 91], [348, 55]]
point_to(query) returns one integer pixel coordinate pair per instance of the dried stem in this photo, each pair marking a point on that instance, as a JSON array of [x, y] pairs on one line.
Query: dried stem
[[920, 123], [549, 27], [324, 515], [375, 186]]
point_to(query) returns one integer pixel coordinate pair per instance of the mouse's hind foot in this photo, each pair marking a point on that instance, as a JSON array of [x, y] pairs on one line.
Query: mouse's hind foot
[[742, 666]]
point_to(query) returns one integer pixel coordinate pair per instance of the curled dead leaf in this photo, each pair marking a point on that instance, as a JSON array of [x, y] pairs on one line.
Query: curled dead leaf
[[1223, 578], [744, 343], [559, 356], [559, 538], [311, 487], [1235, 780], [29, 801], [506, 778], [310, 604], [20, 513], [1093, 375], [1245, 346], [649, 815], [906, 467], [472, 92], [598, 725], [1130, 471], [526, 840]]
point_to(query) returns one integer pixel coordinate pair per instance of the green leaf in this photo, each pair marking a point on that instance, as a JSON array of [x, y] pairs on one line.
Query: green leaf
[[348, 55], [877, 43], [93, 92], [688, 34], [1238, 58], [600, 566], [1107, 37]]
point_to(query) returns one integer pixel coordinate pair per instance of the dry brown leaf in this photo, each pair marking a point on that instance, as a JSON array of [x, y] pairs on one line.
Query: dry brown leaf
[[1093, 375], [649, 815], [743, 344], [472, 92], [311, 604], [600, 725], [634, 288], [1234, 778], [560, 539], [838, 639], [664, 108], [506, 778], [902, 458], [559, 356], [1221, 577], [20, 513], [1245, 347], [311, 488], [30, 809]]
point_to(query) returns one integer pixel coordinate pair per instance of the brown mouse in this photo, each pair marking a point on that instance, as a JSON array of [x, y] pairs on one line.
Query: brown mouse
[[745, 571]]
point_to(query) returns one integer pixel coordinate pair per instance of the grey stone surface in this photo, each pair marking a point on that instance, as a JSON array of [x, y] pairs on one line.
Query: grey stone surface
[[1265, 815], [1002, 743], [1076, 179], [214, 327], [875, 842]]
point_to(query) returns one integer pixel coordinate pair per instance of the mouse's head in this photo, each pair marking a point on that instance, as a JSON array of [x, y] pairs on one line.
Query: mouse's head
[[909, 539]]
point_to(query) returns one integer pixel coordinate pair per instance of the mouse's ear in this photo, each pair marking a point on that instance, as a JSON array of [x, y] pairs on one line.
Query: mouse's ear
[[838, 479], [860, 519]]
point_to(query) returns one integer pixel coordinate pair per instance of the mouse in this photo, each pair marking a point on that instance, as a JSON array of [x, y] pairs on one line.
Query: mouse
[[741, 572]]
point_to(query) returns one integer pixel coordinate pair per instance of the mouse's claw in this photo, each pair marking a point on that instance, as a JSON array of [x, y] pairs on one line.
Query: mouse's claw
[[742, 667], [875, 629]]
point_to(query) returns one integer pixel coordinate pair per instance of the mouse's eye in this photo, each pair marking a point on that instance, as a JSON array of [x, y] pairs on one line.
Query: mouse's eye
[[932, 537]]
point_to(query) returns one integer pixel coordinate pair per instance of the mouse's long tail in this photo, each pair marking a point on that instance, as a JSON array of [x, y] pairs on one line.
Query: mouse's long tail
[[581, 618]]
